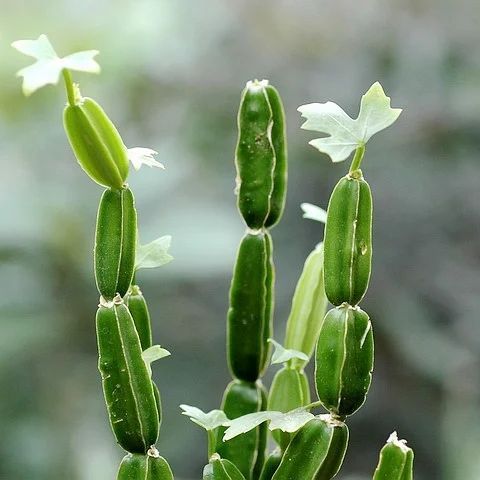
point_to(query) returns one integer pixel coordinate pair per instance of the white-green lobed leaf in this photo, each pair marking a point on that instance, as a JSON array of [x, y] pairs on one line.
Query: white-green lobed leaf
[[291, 421], [282, 354], [313, 212], [48, 66], [246, 423], [287, 422], [143, 156], [207, 420], [152, 354], [153, 254], [344, 133]]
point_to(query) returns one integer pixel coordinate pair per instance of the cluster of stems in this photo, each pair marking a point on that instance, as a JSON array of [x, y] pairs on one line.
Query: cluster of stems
[[337, 271], [309, 447]]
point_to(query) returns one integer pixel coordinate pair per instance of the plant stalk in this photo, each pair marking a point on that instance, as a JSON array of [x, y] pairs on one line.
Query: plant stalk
[[67, 76], [357, 159]]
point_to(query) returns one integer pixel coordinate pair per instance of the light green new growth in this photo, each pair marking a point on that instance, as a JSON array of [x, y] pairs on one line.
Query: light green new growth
[[152, 354], [285, 421], [283, 355], [143, 156], [49, 66], [313, 212], [344, 133], [153, 254], [210, 421]]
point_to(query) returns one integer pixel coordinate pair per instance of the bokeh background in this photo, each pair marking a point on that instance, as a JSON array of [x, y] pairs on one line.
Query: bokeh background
[[172, 72]]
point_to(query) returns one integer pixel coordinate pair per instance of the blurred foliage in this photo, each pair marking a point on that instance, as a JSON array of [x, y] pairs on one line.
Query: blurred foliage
[[172, 74]]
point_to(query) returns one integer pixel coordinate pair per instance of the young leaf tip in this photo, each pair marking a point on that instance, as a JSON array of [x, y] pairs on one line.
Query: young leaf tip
[[402, 444], [152, 354], [345, 134], [207, 420], [283, 355], [313, 212], [256, 84], [143, 156], [153, 254], [155, 352], [48, 65]]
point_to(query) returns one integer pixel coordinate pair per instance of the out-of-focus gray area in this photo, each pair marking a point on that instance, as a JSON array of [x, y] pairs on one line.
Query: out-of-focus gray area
[[172, 72]]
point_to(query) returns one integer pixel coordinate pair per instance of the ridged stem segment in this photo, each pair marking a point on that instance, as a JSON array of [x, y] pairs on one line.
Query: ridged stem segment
[[261, 164], [317, 451], [127, 387]]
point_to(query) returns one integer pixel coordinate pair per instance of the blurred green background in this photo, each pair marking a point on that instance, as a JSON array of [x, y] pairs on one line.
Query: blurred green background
[[172, 72]]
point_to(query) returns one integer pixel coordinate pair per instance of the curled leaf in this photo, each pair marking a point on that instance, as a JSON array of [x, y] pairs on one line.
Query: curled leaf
[[282, 354], [152, 354]]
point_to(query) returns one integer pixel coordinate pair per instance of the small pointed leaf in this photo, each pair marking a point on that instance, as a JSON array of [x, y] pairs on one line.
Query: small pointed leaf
[[209, 421], [143, 156], [282, 354], [344, 133], [152, 354], [154, 254], [312, 212]]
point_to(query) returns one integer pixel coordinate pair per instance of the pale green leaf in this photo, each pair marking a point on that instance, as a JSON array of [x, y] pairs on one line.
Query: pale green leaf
[[246, 423], [287, 422], [345, 134], [143, 156], [312, 212], [82, 61], [40, 49], [282, 354], [49, 66], [291, 421], [209, 421], [41, 73], [375, 112], [153, 254], [152, 354]]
